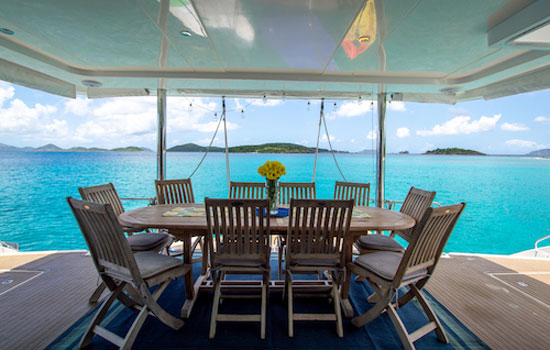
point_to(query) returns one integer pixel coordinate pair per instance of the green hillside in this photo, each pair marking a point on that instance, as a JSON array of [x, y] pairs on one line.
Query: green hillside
[[278, 147], [455, 150]]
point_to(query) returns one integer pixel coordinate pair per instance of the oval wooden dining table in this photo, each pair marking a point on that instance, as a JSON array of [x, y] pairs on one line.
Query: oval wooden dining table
[[187, 227]]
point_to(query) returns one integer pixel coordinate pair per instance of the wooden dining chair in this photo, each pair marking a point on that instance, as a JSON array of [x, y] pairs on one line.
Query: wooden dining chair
[[296, 190], [147, 241], [174, 191], [120, 268], [239, 243], [359, 192], [247, 190], [318, 231], [179, 191], [287, 191], [388, 271], [415, 205]]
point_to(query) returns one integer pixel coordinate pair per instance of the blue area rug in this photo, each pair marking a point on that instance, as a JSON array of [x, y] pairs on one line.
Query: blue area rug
[[379, 334]]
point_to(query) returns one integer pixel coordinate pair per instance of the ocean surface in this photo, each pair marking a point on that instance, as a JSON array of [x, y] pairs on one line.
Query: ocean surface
[[508, 198]]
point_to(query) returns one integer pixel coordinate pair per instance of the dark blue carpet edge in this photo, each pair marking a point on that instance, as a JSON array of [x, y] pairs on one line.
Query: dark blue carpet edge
[[379, 334]]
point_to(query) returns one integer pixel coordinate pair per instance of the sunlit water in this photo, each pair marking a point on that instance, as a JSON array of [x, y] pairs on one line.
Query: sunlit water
[[508, 198]]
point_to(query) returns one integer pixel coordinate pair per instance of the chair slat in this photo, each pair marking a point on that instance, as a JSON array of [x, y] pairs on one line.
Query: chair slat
[[359, 192], [174, 191]]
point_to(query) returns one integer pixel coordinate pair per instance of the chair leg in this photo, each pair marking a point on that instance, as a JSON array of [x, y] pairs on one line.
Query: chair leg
[[215, 304], [280, 257], [151, 303], [97, 293], [337, 311], [89, 334], [288, 283], [441, 336], [377, 309], [264, 306], [400, 328], [134, 329]]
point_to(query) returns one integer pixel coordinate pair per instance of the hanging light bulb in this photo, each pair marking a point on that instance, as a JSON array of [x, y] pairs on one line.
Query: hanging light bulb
[[264, 99], [308, 105], [242, 113], [334, 106], [190, 106], [284, 96], [360, 100], [371, 105]]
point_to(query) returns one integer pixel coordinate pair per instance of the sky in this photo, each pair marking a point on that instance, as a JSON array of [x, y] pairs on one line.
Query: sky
[[509, 125]]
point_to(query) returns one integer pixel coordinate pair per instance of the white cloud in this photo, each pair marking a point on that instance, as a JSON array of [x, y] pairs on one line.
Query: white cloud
[[403, 132], [525, 144], [350, 110], [6, 92], [513, 127], [19, 118], [372, 135], [462, 125], [134, 119], [396, 106], [539, 119], [325, 139], [78, 106], [261, 103]]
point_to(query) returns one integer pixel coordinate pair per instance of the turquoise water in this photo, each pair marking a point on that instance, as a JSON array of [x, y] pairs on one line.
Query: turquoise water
[[508, 198]]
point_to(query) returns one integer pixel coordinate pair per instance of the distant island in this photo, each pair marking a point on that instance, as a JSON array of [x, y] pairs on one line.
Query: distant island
[[455, 150], [53, 148], [263, 148], [545, 153], [404, 152]]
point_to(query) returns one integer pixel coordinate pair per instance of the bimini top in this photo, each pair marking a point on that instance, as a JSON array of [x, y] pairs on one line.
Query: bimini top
[[417, 50]]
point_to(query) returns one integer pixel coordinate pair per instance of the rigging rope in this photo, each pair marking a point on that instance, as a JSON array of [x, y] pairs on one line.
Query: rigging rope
[[318, 137], [226, 148], [209, 145], [330, 145]]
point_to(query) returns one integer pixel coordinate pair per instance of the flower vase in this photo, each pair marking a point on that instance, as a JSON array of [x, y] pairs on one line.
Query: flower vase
[[272, 193]]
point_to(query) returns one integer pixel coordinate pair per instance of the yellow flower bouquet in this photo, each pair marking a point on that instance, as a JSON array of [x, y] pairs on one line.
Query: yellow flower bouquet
[[272, 171]]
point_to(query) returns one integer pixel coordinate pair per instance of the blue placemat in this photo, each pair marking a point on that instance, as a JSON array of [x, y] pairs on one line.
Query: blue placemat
[[283, 212]]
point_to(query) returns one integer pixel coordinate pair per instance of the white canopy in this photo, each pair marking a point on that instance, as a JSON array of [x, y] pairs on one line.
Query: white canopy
[[418, 50]]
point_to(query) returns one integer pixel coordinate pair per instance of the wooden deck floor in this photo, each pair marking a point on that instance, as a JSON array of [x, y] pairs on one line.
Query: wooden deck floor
[[504, 301]]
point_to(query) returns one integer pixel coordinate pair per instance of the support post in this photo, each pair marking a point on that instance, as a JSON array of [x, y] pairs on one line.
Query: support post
[[161, 138], [381, 150], [318, 137]]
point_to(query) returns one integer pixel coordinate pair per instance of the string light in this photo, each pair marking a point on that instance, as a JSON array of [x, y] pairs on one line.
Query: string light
[[360, 100], [284, 96], [242, 113], [264, 99], [190, 106], [371, 105], [308, 105], [334, 106]]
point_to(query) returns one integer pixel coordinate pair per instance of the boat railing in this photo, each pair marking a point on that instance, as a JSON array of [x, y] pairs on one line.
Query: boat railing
[[8, 247], [392, 205], [539, 251], [151, 200]]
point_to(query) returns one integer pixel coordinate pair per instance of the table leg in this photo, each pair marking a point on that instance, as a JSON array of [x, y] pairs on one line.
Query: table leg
[[347, 308], [190, 291]]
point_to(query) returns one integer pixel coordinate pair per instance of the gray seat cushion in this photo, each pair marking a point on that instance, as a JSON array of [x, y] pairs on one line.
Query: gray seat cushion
[[148, 241], [315, 262], [385, 264], [379, 242], [151, 263]]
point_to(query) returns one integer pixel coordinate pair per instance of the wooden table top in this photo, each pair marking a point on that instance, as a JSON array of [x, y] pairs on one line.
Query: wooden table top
[[151, 217]]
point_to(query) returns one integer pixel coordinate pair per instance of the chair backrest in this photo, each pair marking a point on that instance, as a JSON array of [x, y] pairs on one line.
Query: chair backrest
[[296, 190], [104, 236], [318, 229], [174, 191], [428, 240], [415, 205], [103, 194], [238, 229], [359, 192], [247, 190]]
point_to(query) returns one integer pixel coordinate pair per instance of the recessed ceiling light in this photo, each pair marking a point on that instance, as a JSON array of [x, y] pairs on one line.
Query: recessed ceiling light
[[186, 33], [91, 83], [6, 31], [450, 90]]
